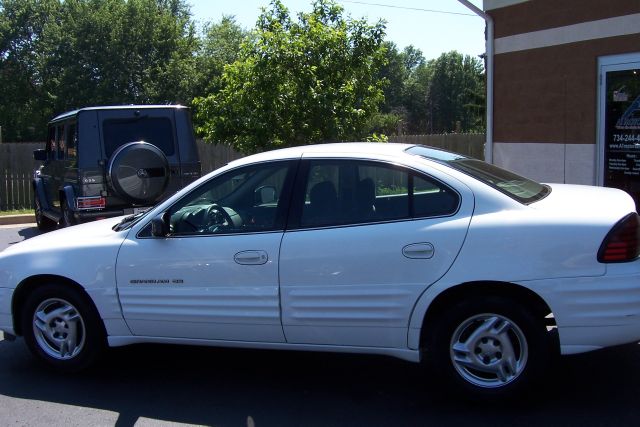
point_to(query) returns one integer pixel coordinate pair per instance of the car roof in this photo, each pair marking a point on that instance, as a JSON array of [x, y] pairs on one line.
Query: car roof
[[348, 149], [111, 107]]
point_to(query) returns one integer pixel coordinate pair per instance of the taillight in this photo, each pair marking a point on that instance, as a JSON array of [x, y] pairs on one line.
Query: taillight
[[622, 244], [91, 202]]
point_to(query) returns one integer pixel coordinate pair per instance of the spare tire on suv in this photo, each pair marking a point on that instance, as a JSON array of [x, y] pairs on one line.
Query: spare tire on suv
[[139, 172], [102, 162]]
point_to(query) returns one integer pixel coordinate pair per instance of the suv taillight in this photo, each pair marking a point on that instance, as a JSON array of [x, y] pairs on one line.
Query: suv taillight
[[622, 244], [91, 202]]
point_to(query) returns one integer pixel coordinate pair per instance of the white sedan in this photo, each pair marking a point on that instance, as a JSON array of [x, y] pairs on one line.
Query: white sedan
[[401, 250]]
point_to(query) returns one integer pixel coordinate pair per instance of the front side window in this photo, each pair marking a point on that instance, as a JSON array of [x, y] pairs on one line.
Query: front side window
[[249, 199], [342, 192]]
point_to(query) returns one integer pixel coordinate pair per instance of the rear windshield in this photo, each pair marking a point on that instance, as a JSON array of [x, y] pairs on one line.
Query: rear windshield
[[515, 186], [154, 130]]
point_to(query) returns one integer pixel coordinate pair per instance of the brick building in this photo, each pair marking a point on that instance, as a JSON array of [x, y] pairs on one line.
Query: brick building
[[566, 90]]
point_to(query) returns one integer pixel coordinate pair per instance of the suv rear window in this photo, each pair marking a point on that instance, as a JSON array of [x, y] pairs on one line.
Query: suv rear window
[[154, 130]]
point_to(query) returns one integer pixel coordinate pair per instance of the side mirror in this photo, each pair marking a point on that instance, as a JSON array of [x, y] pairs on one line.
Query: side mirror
[[40, 155], [264, 195], [159, 226]]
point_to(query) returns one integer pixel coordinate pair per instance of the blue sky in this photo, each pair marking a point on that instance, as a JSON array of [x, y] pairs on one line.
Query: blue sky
[[430, 31]]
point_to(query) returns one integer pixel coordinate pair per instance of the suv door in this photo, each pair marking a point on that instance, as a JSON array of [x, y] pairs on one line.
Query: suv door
[[215, 276], [364, 241], [49, 172], [155, 126]]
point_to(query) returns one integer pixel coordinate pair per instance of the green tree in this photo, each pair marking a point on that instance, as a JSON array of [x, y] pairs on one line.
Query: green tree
[[454, 96], [297, 82], [116, 51], [220, 45], [416, 98], [24, 108], [398, 72], [58, 55]]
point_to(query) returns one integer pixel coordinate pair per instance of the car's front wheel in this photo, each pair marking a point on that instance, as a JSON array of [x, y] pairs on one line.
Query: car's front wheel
[[61, 328], [491, 347]]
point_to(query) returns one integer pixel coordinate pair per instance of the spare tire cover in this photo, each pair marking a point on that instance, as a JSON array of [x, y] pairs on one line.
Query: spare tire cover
[[139, 172]]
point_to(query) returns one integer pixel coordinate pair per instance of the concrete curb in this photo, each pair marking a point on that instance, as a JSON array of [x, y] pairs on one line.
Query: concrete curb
[[17, 219]]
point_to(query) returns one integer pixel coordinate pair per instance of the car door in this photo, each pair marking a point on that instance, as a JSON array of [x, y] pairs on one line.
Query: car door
[[364, 241], [215, 275]]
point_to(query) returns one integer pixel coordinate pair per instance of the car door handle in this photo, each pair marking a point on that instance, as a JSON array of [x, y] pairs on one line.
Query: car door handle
[[418, 251], [251, 257]]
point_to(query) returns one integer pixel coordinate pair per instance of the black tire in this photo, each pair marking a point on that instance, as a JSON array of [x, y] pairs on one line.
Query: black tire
[[67, 219], [491, 348], [61, 328], [139, 173], [43, 223]]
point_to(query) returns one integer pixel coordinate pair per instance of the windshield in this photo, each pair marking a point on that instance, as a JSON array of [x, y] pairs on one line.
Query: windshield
[[515, 186]]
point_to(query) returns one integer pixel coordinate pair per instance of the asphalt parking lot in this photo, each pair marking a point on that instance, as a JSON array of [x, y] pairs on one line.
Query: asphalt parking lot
[[171, 385]]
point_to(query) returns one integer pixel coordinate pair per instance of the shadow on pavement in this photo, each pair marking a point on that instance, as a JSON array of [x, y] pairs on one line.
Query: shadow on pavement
[[27, 233], [274, 388]]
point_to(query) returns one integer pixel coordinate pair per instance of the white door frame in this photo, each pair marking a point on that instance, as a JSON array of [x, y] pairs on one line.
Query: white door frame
[[607, 64]]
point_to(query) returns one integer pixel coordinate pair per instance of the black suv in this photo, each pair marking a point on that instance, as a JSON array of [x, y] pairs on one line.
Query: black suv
[[101, 162]]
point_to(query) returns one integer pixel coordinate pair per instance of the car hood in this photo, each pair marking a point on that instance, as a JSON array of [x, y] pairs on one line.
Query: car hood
[[85, 254], [88, 235], [583, 201]]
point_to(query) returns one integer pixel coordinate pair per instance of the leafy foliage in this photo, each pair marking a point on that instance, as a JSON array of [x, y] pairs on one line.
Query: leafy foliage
[[60, 55], [298, 82], [23, 24], [315, 77], [220, 45], [437, 96]]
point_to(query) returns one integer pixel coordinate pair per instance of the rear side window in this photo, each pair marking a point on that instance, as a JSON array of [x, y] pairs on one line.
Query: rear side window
[[52, 145], [71, 141], [340, 192], [60, 141], [154, 130]]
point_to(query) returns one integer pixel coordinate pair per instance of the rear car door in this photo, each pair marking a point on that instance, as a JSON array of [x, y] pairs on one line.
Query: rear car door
[[365, 239]]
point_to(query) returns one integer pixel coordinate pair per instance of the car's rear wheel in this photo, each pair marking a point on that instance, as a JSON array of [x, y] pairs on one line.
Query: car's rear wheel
[[43, 223], [490, 347], [61, 328]]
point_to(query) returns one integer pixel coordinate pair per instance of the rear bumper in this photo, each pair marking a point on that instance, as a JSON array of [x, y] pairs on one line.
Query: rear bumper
[[594, 312], [83, 216]]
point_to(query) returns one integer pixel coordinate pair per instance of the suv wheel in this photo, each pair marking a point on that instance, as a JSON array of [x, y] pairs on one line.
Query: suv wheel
[[67, 219], [44, 223]]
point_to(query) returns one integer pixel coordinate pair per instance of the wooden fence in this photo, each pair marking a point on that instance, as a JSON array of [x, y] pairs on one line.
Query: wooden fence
[[17, 164], [16, 170]]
